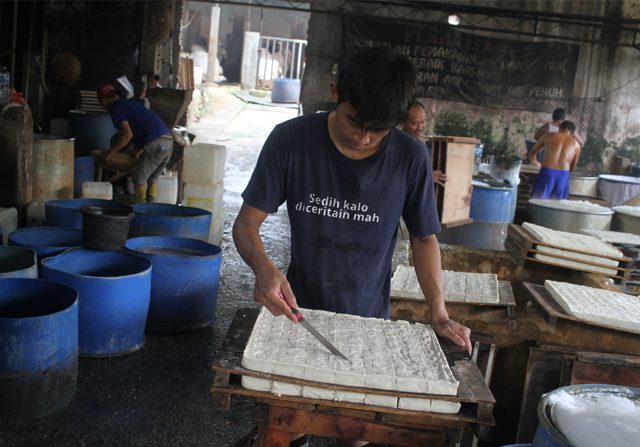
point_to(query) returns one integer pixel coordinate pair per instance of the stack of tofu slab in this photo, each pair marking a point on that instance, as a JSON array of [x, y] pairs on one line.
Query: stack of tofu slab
[[391, 363], [572, 250], [597, 306], [459, 287], [614, 237]]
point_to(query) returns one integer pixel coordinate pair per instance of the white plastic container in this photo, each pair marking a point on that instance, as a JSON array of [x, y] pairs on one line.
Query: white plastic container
[[35, 214], [207, 197], [8, 222], [97, 190], [167, 188], [204, 163]]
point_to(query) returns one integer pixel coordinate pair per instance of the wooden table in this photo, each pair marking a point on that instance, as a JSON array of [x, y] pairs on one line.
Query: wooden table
[[418, 310], [279, 416]]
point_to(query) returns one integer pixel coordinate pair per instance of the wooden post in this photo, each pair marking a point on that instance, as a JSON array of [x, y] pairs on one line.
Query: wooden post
[[214, 30]]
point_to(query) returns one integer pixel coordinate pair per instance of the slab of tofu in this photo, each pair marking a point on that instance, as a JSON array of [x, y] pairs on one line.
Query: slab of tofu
[[595, 249], [383, 355], [599, 306], [459, 287], [614, 237]]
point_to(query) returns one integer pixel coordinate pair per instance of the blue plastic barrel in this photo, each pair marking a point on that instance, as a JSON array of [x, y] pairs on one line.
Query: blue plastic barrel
[[91, 131], [46, 241], [114, 290], [285, 90], [493, 204], [66, 213], [161, 219], [184, 284], [84, 168], [39, 348], [18, 262]]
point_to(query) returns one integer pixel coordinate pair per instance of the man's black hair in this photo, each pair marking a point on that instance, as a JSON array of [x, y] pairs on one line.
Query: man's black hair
[[379, 84], [568, 125], [559, 114]]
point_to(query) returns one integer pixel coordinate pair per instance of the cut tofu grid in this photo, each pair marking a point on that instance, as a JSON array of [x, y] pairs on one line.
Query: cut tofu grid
[[614, 237], [599, 306], [459, 287], [384, 355]]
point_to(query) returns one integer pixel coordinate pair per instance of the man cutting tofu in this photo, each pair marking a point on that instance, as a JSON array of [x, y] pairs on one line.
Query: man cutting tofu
[[347, 177]]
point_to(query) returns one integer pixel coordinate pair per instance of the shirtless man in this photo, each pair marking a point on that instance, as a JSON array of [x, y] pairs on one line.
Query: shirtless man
[[553, 126], [414, 123], [561, 152]]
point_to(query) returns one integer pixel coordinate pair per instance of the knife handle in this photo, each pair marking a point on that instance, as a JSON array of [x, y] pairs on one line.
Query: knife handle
[[297, 313], [294, 311]]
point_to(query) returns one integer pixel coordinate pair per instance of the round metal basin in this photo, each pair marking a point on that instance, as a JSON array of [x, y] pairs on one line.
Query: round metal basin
[[557, 215]]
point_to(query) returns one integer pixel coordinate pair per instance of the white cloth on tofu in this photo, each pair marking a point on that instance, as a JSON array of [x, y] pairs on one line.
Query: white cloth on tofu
[[602, 307], [569, 242], [614, 237], [459, 287], [383, 355], [582, 206]]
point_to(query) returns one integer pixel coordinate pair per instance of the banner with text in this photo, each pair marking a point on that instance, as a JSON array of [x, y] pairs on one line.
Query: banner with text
[[458, 66]]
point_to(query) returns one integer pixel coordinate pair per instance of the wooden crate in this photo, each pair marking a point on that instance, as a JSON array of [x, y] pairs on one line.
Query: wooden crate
[[454, 157], [473, 394], [522, 245]]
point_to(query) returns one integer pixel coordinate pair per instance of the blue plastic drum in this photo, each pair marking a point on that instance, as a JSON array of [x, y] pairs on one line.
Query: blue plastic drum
[[285, 90], [46, 241], [160, 219], [18, 262], [114, 290], [39, 348], [184, 285], [91, 131], [66, 213], [493, 204], [84, 168]]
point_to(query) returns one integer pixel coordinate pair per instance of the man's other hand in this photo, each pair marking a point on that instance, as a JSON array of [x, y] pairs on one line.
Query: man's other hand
[[455, 332]]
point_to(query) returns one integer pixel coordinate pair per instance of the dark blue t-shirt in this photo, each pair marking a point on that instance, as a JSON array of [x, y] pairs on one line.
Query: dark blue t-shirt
[[344, 213], [145, 125]]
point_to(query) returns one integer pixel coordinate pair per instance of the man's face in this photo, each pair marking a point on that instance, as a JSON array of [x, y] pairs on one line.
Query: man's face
[[416, 122], [354, 136]]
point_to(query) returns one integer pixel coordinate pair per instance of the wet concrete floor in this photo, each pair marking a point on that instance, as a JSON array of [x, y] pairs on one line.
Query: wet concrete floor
[[160, 395]]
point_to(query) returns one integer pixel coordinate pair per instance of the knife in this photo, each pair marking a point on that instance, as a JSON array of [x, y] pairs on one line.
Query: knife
[[317, 334]]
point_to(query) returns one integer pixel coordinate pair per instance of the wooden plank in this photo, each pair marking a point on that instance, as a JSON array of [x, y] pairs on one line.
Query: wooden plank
[[552, 308], [459, 170], [468, 416], [597, 373], [539, 261], [344, 427]]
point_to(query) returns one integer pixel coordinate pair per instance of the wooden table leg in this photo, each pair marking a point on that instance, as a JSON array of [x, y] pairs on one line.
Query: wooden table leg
[[275, 429]]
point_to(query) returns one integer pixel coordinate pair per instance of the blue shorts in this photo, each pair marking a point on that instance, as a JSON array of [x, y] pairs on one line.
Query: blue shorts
[[551, 184]]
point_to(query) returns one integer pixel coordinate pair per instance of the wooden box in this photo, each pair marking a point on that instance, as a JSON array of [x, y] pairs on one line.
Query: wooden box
[[454, 157]]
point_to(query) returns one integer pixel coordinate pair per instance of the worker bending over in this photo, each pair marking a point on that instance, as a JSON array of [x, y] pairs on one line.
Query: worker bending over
[[149, 135], [561, 153]]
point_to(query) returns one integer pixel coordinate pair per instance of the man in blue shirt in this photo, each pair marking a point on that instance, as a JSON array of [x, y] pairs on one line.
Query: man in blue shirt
[[146, 131], [347, 177]]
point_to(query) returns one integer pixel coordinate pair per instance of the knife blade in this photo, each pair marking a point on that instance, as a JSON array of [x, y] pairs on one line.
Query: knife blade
[[317, 334]]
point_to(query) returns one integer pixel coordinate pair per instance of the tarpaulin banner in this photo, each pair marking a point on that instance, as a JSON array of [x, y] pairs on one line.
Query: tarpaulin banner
[[458, 66]]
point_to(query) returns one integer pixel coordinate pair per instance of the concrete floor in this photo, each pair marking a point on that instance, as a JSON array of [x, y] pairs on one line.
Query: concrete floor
[[159, 396]]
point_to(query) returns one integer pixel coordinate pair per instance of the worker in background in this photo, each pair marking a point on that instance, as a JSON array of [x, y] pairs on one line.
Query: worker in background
[[147, 132], [557, 117], [561, 155], [414, 123], [347, 177]]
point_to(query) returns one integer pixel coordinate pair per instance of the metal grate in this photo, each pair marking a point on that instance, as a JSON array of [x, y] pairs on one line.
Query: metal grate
[[280, 58]]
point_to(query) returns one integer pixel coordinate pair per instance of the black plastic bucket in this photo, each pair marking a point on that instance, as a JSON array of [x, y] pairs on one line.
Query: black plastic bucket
[[105, 228]]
